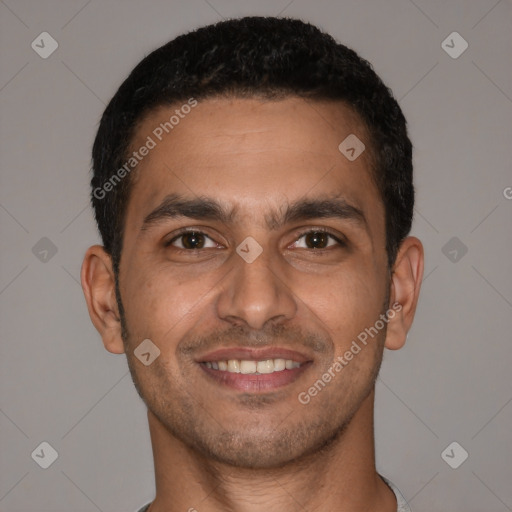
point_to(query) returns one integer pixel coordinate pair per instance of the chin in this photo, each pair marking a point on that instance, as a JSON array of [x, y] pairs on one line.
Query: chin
[[254, 459], [271, 449]]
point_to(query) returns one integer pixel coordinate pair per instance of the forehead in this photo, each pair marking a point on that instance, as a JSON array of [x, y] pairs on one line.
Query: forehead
[[249, 154], [231, 124]]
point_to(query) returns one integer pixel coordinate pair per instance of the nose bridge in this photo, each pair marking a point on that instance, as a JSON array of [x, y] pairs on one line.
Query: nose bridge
[[254, 293]]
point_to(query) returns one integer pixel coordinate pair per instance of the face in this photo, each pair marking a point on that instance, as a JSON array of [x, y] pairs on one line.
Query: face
[[251, 240]]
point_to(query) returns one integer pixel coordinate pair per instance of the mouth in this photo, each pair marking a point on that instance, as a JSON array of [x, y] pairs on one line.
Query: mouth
[[247, 366], [254, 370]]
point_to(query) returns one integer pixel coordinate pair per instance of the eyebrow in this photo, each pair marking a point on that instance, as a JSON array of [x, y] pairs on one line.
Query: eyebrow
[[208, 209]]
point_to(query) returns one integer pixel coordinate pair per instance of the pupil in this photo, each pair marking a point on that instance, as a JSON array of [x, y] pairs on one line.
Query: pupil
[[193, 241], [316, 239]]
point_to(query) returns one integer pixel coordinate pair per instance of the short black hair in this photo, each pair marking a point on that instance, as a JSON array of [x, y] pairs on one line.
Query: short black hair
[[263, 57]]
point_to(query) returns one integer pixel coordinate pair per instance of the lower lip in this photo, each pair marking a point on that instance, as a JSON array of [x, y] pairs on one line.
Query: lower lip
[[253, 383]]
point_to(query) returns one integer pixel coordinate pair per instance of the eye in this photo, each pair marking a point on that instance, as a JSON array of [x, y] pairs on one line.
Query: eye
[[317, 239], [190, 240]]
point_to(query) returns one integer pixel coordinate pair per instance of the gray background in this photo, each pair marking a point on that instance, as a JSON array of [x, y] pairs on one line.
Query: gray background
[[449, 383]]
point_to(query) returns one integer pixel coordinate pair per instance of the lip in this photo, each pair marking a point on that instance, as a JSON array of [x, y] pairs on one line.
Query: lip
[[251, 354], [252, 383]]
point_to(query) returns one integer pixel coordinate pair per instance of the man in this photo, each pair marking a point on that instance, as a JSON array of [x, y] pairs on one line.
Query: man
[[253, 189]]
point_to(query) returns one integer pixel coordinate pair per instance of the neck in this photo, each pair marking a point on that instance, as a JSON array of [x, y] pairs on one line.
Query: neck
[[342, 476]]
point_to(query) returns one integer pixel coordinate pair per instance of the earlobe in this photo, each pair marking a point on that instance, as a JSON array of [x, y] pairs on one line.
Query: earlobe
[[98, 285], [406, 280]]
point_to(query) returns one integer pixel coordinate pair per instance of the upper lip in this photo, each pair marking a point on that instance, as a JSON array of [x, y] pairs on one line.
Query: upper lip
[[252, 354]]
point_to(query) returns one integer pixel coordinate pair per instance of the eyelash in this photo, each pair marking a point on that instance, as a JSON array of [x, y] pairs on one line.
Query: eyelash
[[185, 231]]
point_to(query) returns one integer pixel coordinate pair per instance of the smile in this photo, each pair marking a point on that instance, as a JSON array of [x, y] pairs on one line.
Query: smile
[[246, 367]]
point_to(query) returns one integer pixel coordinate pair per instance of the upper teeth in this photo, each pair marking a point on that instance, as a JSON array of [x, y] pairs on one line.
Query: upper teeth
[[246, 366]]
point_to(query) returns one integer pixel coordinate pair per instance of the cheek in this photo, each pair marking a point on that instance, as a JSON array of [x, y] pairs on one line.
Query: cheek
[[165, 303], [154, 303], [346, 301]]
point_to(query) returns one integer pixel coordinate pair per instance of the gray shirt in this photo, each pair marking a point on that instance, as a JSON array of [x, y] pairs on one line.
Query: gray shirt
[[402, 504]]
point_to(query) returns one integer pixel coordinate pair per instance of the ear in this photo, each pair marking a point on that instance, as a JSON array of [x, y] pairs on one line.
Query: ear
[[98, 284], [406, 278]]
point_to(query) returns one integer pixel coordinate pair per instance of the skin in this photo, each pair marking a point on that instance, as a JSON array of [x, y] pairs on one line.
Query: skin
[[219, 449]]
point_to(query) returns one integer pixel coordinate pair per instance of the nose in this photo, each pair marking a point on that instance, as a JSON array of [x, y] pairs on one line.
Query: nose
[[254, 294]]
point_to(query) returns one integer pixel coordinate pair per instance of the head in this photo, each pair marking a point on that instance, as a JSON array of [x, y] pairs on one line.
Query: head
[[241, 122]]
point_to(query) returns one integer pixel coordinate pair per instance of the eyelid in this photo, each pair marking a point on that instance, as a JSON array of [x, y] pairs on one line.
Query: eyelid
[[342, 242], [183, 231]]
